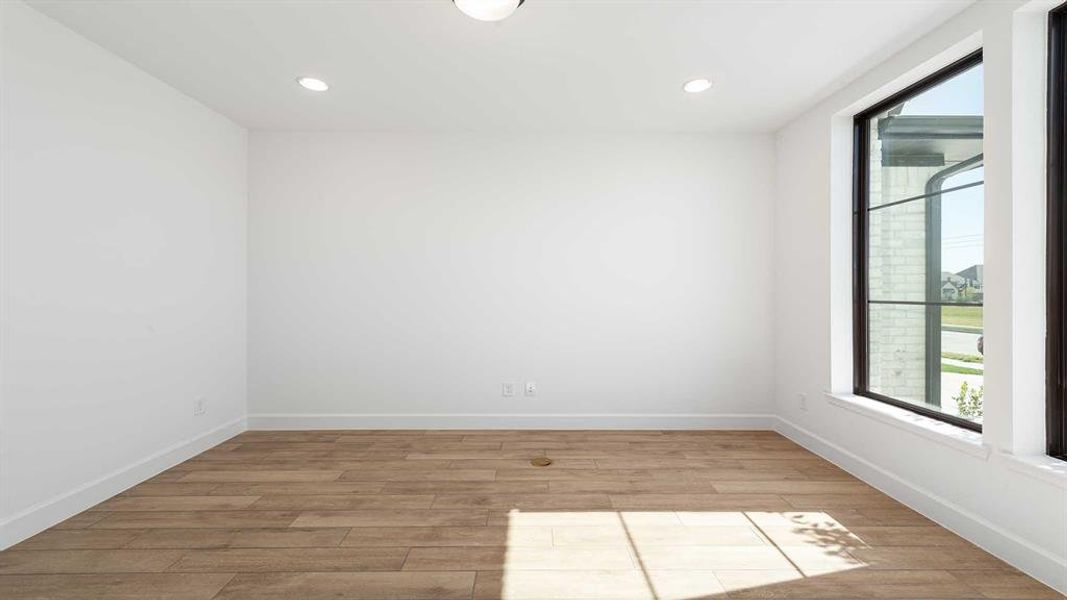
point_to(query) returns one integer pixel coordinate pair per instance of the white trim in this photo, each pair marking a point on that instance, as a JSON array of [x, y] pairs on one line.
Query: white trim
[[1045, 468], [506, 421], [47, 513], [957, 438], [1020, 553]]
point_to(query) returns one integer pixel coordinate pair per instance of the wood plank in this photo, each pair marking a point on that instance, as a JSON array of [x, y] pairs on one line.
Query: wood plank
[[312, 464], [191, 519], [1003, 585], [795, 453], [175, 503], [524, 502], [449, 536], [238, 538], [553, 474], [466, 487], [626, 487], [908, 536], [472, 455], [522, 464], [343, 502], [420, 440], [127, 586], [391, 465], [434, 445], [922, 557], [895, 515], [666, 462], [301, 488], [350, 586], [790, 488], [725, 502], [711, 476], [825, 501], [86, 561], [419, 475], [528, 558], [575, 518], [393, 518], [273, 560], [852, 584], [260, 476], [602, 447]]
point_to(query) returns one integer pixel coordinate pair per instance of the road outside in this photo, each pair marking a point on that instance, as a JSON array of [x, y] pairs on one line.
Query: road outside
[[959, 342]]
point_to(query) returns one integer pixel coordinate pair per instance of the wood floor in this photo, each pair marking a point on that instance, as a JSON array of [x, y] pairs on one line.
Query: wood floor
[[462, 515]]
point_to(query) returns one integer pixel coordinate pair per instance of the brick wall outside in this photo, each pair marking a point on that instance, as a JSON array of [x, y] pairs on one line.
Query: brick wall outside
[[897, 271]]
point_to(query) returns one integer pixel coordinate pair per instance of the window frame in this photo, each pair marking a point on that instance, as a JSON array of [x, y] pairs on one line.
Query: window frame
[[1056, 238], [860, 222]]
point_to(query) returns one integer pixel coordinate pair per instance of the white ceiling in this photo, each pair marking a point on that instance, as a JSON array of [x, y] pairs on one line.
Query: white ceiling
[[588, 65]]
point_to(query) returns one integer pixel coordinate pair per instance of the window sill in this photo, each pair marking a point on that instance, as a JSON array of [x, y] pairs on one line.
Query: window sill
[[1045, 468], [958, 438]]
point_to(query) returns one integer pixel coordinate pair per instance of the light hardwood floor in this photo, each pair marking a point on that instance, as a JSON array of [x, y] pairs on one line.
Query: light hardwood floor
[[462, 515]]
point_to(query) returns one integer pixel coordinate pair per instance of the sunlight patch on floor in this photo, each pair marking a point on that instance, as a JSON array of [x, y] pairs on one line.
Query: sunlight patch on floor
[[667, 555]]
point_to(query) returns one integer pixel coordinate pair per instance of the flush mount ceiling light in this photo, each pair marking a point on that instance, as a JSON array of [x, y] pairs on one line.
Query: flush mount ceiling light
[[695, 86], [315, 85], [488, 10]]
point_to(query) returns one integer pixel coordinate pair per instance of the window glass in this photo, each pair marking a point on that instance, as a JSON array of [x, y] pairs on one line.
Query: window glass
[[923, 235]]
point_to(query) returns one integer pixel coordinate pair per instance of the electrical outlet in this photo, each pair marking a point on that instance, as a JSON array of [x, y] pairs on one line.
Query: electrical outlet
[[802, 401], [199, 406], [530, 389], [507, 389]]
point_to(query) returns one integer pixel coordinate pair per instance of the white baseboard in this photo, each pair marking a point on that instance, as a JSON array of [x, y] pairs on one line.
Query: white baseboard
[[45, 514], [1023, 555], [502, 421]]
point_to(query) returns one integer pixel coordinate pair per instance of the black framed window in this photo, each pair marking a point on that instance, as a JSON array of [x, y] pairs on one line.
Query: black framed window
[[1056, 322], [919, 247]]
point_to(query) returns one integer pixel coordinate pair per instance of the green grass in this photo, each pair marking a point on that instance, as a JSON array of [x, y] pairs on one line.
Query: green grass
[[971, 358], [962, 316], [961, 370]]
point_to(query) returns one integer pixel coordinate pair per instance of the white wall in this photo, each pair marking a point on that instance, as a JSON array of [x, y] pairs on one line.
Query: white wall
[[122, 270], [398, 278], [985, 488]]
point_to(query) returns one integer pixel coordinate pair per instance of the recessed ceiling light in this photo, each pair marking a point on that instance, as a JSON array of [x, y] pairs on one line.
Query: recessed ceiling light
[[695, 86], [488, 10], [315, 85]]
